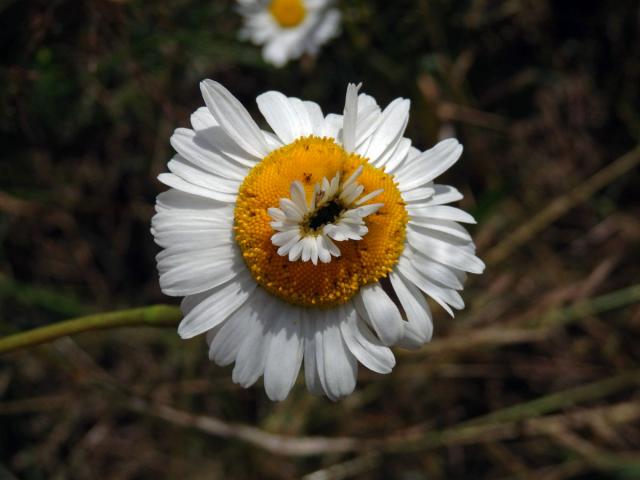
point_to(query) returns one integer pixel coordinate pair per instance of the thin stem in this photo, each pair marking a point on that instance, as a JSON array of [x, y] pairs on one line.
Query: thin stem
[[152, 316]]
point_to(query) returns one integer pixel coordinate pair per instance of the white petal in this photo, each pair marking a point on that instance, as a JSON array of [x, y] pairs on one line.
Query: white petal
[[343, 231], [365, 210], [221, 303], [419, 327], [296, 250], [428, 165], [443, 194], [178, 200], [445, 276], [338, 368], [282, 238], [233, 118], [197, 271], [353, 177], [277, 53], [310, 325], [351, 193], [288, 117], [276, 214], [179, 183], [298, 195], [444, 226], [225, 344], [195, 147], [202, 119], [212, 137], [391, 161], [292, 210], [252, 354], [442, 212], [444, 252], [445, 297], [368, 117], [197, 176], [172, 228], [420, 196], [315, 115], [389, 133], [326, 248], [331, 126], [328, 26], [286, 248], [374, 306], [364, 345], [309, 249], [285, 354], [350, 118], [370, 196]]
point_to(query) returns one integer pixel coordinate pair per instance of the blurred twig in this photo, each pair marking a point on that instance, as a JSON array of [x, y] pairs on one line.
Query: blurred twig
[[155, 315], [562, 205], [501, 424], [274, 443]]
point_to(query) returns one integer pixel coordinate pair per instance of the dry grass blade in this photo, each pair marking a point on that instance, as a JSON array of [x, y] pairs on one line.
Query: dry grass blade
[[496, 425], [277, 444]]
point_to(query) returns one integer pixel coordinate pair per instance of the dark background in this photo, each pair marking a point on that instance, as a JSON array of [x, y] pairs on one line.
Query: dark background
[[543, 94]]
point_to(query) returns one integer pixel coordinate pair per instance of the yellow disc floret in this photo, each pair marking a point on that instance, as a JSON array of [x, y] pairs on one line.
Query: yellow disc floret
[[288, 13], [309, 160]]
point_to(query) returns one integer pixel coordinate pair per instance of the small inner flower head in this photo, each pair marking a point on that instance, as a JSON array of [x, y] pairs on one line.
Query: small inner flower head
[[288, 13], [306, 230], [313, 241]]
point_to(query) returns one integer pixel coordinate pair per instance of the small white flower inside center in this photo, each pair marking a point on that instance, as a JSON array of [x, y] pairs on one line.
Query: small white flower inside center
[[336, 211]]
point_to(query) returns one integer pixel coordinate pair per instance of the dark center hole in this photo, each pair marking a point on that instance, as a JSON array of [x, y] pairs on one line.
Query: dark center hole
[[324, 215]]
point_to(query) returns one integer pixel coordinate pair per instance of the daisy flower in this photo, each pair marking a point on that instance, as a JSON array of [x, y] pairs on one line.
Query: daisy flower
[[288, 28], [314, 243]]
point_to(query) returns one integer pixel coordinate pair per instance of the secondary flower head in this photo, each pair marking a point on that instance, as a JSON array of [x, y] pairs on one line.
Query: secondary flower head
[[288, 28], [314, 243]]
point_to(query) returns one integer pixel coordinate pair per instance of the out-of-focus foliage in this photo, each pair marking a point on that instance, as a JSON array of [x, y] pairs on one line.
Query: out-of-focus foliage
[[542, 93]]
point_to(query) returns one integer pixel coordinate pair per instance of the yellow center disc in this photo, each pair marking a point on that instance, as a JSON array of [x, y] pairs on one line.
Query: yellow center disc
[[361, 262], [288, 13]]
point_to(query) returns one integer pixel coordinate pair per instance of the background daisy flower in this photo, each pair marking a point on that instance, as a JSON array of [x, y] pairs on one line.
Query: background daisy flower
[[288, 28], [313, 243]]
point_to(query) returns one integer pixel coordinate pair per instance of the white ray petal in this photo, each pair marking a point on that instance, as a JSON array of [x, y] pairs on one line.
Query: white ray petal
[[233, 118]]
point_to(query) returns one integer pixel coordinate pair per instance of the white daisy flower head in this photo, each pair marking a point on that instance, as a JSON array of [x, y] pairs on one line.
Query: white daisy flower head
[[313, 244], [288, 28]]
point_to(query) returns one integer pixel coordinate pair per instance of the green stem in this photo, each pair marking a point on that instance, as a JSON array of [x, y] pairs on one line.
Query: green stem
[[169, 316], [152, 316]]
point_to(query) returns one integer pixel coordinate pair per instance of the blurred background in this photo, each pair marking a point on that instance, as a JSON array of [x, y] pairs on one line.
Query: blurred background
[[537, 378]]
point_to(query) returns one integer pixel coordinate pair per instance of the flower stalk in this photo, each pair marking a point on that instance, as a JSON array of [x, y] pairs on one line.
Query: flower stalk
[[151, 316]]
